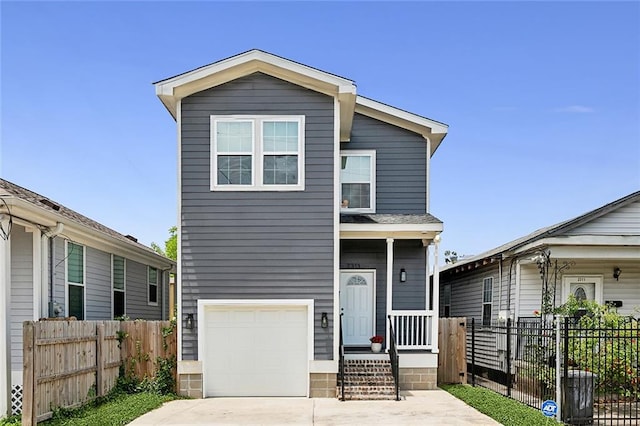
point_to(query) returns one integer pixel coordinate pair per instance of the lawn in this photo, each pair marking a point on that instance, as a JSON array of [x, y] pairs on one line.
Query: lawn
[[504, 410], [118, 409]]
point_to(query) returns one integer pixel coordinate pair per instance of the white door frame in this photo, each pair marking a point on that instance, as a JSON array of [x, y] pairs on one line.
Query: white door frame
[[203, 303], [373, 291], [567, 280]]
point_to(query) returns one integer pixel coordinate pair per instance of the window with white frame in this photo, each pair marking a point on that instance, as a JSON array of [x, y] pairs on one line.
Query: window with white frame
[[118, 282], [152, 285], [75, 268], [257, 153], [357, 181], [446, 299], [487, 301]]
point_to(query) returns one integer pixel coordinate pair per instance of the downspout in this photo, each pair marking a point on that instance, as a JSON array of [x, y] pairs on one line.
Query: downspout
[[500, 286], [54, 233]]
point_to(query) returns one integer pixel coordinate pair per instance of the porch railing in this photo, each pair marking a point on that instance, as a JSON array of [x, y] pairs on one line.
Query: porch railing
[[341, 362], [414, 329], [394, 358]]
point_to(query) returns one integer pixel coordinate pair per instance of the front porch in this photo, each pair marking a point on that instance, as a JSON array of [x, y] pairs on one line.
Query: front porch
[[385, 290]]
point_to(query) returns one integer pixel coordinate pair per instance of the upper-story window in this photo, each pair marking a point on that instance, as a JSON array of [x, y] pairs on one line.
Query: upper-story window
[[257, 153], [358, 181]]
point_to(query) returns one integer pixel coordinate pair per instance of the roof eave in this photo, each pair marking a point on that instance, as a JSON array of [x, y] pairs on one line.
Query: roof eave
[[83, 233], [427, 128]]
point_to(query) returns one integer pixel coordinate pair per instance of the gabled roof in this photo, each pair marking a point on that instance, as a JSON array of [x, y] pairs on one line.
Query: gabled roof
[[512, 247], [43, 212], [173, 89]]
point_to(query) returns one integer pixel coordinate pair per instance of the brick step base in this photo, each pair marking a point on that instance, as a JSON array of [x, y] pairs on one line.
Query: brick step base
[[367, 380]]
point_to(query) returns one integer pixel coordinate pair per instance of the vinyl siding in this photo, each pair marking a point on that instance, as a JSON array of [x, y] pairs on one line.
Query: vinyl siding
[[98, 285], [136, 302], [622, 221], [626, 289], [21, 308], [257, 245], [401, 158]]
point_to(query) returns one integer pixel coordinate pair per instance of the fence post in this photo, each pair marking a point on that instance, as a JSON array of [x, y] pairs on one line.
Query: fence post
[[100, 359], [565, 367], [28, 374], [473, 351], [509, 357], [558, 365]]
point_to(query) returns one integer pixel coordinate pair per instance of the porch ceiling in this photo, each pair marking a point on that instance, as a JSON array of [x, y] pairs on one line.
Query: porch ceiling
[[398, 226]]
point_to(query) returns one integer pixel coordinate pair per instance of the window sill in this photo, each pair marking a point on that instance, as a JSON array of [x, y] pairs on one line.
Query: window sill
[[255, 188]]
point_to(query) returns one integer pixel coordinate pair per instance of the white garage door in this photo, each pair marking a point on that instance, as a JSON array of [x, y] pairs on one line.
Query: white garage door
[[255, 351]]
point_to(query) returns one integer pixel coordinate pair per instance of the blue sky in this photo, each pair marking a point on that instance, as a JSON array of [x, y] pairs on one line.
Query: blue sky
[[542, 99]]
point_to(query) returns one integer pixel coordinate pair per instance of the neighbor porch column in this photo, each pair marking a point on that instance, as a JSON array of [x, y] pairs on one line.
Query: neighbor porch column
[[5, 334], [389, 286], [436, 294]]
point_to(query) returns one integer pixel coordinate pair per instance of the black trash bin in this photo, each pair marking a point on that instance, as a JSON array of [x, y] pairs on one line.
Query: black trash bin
[[577, 408]]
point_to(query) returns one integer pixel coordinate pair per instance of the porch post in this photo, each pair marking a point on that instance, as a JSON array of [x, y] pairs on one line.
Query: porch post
[[436, 295], [389, 285], [5, 333]]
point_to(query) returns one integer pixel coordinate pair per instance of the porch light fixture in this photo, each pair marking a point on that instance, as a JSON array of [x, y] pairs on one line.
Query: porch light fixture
[[616, 273], [403, 275], [189, 322], [324, 321]]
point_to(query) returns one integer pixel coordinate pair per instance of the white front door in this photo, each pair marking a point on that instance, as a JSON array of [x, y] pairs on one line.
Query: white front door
[[582, 287], [357, 296]]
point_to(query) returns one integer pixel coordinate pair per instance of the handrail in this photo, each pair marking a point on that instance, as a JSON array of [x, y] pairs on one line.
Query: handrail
[[393, 356], [341, 361]]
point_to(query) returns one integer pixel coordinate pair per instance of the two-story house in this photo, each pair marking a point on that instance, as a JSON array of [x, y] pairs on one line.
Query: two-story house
[[300, 203]]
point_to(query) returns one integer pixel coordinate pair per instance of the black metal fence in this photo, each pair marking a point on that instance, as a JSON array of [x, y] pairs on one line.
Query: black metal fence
[[598, 366]]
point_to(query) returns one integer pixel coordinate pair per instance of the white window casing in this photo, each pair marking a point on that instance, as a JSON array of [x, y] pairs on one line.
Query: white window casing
[[75, 279], [357, 170], [487, 301], [152, 285], [257, 153]]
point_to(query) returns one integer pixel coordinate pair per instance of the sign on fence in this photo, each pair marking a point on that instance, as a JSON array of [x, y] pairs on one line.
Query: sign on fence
[[549, 408]]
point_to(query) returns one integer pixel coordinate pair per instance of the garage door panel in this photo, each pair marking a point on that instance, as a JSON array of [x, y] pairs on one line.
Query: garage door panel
[[256, 351]]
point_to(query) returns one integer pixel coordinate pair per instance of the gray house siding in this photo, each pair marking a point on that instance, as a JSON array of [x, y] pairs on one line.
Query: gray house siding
[[371, 254], [98, 285], [136, 299], [401, 164], [98, 290], [21, 289], [257, 245]]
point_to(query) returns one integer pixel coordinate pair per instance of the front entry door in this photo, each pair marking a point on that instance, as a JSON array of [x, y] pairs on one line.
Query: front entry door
[[357, 296]]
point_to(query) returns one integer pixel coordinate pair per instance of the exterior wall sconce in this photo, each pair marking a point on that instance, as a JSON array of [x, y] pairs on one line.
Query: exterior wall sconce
[[616, 273], [403, 275], [189, 322], [324, 321]]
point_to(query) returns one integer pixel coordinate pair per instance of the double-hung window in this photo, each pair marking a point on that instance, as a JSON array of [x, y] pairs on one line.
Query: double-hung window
[[487, 301], [75, 268], [152, 285], [257, 153], [357, 181], [118, 283]]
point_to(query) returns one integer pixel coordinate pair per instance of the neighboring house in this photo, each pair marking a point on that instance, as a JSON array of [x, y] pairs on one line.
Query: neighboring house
[[298, 200], [55, 262], [595, 256]]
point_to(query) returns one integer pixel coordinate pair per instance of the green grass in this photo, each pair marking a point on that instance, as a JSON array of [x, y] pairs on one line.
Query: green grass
[[504, 410], [116, 410]]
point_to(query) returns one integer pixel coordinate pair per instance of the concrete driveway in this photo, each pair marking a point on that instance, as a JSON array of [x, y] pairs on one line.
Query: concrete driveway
[[435, 407]]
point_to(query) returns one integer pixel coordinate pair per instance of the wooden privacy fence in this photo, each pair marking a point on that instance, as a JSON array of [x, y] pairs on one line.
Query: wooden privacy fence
[[68, 363], [452, 341]]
